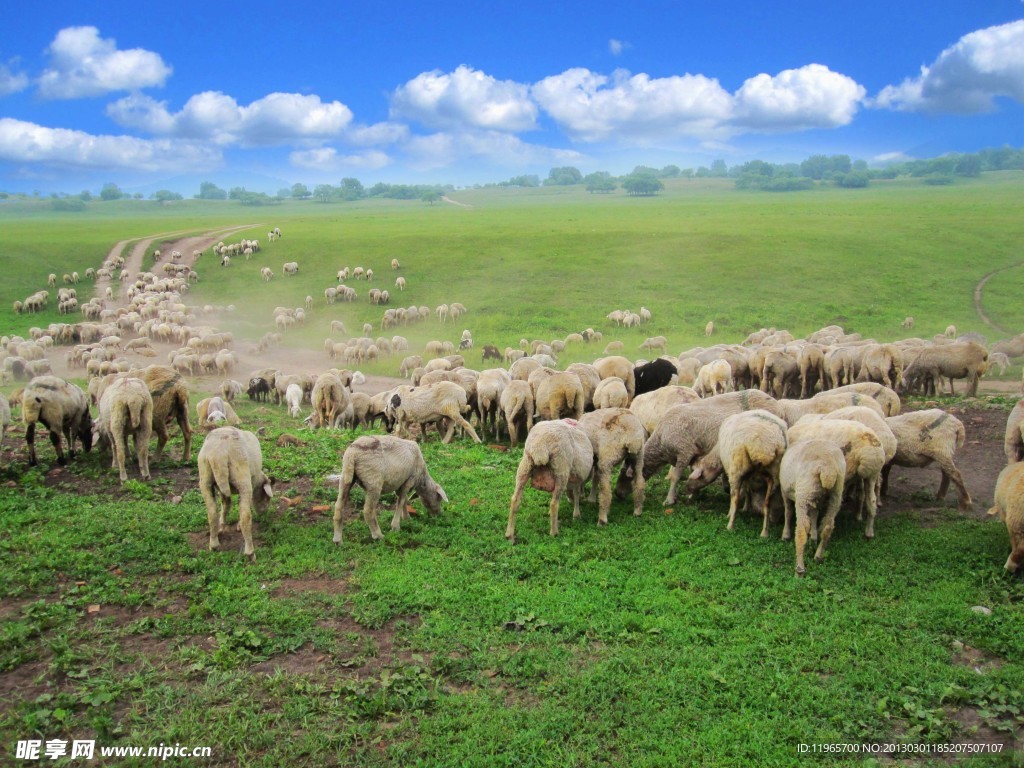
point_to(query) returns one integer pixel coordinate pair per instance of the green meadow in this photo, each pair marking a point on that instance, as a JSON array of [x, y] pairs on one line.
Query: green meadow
[[661, 640]]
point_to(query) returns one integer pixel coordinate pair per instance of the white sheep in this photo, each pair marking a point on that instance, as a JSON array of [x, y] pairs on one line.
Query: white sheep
[[714, 378], [617, 437], [611, 393], [63, 409], [557, 457], [5, 417], [395, 264], [650, 407], [267, 273], [293, 397], [431, 404], [126, 408], [709, 329], [330, 399], [290, 268], [517, 408], [812, 472], [216, 412], [231, 460], [400, 283], [230, 389], [926, 436], [557, 395], [1009, 507], [384, 464]]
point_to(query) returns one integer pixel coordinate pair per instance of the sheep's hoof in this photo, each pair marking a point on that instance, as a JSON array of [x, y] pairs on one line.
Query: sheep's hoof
[[799, 573]]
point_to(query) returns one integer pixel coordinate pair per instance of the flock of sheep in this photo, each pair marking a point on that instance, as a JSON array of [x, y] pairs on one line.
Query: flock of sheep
[[792, 425]]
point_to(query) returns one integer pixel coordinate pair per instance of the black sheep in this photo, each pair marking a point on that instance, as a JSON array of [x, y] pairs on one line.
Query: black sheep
[[653, 375]]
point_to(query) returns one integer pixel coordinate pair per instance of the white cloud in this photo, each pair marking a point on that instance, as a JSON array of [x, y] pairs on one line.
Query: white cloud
[[11, 82], [378, 134], [887, 158], [440, 150], [796, 99], [328, 159], [83, 64], [615, 47], [278, 118], [23, 142], [592, 107], [967, 77], [465, 98]]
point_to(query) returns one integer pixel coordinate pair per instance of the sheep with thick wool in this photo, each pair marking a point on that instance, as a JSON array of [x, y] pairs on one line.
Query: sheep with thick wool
[[885, 396], [749, 443], [863, 453], [617, 437], [826, 402], [231, 461], [170, 401], [489, 386], [557, 457], [1009, 507], [812, 473], [126, 409], [382, 464], [559, 395], [689, 431], [616, 365], [517, 409], [650, 407], [330, 399], [714, 378], [212, 412], [923, 437], [61, 407], [443, 400], [611, 393]]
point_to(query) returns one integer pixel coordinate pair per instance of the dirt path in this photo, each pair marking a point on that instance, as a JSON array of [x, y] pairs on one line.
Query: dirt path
[[980, 287], [455, 202]]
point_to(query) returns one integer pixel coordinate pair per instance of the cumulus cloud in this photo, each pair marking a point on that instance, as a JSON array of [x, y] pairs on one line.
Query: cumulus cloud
[[967, 77], [24, 142], [83, 64], [498, 148], [11, 82], [465, 98], [812, 96], [277, 118], [593, 107], [329, 159]]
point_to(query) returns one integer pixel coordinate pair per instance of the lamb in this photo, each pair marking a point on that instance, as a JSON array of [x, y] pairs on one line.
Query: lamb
[[517, 408], [908, 323], [424, 405], [811, 472], [559, 395], [653, 375], [290, 268], [293, 397], [1008, 506], [384, 464], [126, 408], [557, 456], [215, 411], [617, 438], [267, 273], [752, 442], [395, 265], [689, 431], [611, 393], [63, 409], [714, 378], [231, 460], [230, 389], [926, 436], [400, 283], [709, 329], [862, 450]]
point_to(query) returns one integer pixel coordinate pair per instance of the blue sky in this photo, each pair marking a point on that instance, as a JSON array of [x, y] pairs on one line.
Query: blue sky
[[146, 93]]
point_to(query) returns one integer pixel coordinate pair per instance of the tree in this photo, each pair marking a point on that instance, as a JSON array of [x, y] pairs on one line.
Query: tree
[[431, 196], [719, 168], [210, 191], [324, 192], [85, 195], [352, 189], [164, 196], [526, 180], [300, 191], [642, 185], [111, 191], [563, 177], [600, 182], [670, 172]]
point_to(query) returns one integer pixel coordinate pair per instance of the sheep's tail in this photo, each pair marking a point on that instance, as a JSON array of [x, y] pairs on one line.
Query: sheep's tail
[[961, 435], [222, 477], [135, 406], [829, 476]]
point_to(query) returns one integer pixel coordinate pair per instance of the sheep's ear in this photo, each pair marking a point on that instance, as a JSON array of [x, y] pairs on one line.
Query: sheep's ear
[[994, 511], [268, 486], [441, 493]]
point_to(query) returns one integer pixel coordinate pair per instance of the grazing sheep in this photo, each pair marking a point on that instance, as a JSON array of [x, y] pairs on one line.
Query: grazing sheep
[[709, 329], [267, 273], [489, 387], [655, 342], [170, 401], [215, 412], [650, 407], [611, 393], [384, 464], [557, 456], [5, 417], [617, 365], [825, 402], [432, 404], [653, 375], [689, 431], [613, 346], [1013, 441], [1009, 507], [290, 268], [395, 265], [558, 395], [293, 397], [517, 408], [258, 389], [811, 472], [881, 394], [126, 408], [330, 399], [752, 442], [231, 461], [714, 378], [958, 360], [862, 451], [908, 323], [617, 437], [950, 331], [62, 408], [230, 389], [926, 436], [400, 283]]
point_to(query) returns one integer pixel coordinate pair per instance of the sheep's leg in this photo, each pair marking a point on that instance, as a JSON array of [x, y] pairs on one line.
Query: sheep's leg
[[55, 438], [522, 476], [370, 513], [872, 505], [734, 502], [787, 516], [556, 499], [212, 515], [403, 493], [30, 438], [121, 453], [465, 425], [142, 452], [245, 521], [767, 506], [1016, 558], [674, 476], [828, 524], [342, 504], [161, 438], [885, 479], [639, 484], [604, 479], [950, 472], [803, 529]]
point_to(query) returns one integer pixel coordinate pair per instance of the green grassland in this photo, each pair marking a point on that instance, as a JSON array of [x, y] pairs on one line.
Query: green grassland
[[659, 640]]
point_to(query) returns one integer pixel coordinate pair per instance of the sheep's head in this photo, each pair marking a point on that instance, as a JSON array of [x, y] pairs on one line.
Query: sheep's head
[[262, 493], [432, 494], [705, 472]]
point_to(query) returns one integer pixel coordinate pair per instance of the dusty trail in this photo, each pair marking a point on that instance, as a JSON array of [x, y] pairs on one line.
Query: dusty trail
[[980, 287]]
